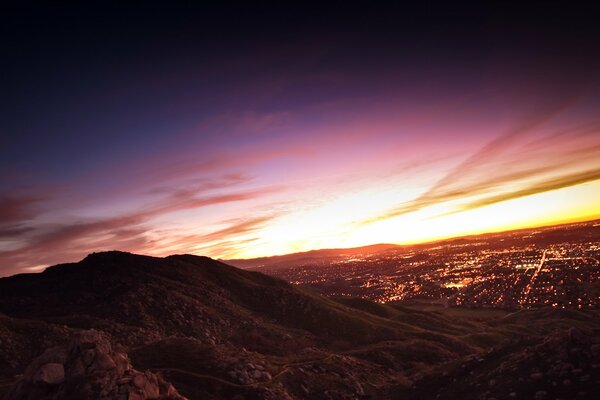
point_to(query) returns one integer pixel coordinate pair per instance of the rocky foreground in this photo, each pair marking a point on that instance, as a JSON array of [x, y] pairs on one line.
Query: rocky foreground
[[88, 368], [123, 326]]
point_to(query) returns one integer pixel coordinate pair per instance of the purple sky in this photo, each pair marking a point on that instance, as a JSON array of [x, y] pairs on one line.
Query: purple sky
[[238, 132]]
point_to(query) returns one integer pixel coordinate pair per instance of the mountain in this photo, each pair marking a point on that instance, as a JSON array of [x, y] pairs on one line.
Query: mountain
[[193, 327], [312, 256], [88, 368]]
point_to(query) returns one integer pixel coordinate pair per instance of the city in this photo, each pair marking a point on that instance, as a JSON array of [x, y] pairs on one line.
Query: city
[[556, 267]]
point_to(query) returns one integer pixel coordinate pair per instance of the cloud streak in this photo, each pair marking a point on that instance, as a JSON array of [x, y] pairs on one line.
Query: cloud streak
[[540, 187], [512, 166], [17, 208], [127, 232]]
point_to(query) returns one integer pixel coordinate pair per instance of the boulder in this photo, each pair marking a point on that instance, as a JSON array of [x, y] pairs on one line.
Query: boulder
[[88, 368], [50, 373]]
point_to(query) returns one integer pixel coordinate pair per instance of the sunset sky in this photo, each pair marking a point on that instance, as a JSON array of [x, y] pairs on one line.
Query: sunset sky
[[242, 132]]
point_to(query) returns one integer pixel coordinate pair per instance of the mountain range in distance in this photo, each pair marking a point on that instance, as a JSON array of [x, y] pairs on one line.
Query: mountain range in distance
[[574, 231], [311, 256]]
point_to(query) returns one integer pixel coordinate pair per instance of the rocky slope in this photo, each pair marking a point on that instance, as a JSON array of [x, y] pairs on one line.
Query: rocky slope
[[88, 368], [217, 332]]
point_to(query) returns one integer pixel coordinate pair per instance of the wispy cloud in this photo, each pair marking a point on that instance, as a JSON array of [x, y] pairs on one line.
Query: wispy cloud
[[16, 208], [230, 238], [126, 232], [241, 227], [454, 180], [14, 231], [516, 164], [539, 187]]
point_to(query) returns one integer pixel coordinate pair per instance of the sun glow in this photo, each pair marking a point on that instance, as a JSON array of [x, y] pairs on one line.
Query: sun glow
[[335, 224]]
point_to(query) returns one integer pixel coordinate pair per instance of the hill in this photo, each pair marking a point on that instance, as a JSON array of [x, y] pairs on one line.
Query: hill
[[214, 331]]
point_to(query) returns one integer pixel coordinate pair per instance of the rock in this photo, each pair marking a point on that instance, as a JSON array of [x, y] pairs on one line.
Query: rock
[[256, 374], [77, 370], [135, 396], [536, 376], [540, 395], [51, 374], [152, 390], [304, 389], [89, 368], [103, 362], [122, 362], [88, 356], [359, 389], [139, 381]]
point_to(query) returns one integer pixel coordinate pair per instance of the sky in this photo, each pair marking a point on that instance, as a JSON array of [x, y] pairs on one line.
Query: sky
[[244, 131]]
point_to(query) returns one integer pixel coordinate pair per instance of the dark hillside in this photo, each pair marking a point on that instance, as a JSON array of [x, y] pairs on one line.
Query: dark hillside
[[214, 331]]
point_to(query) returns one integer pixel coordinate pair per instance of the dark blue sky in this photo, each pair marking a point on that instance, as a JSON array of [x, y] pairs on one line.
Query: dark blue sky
[[90, 82]]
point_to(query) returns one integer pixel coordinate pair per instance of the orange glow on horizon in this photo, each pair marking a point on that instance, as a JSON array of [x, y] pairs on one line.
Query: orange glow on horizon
[[295, 232]]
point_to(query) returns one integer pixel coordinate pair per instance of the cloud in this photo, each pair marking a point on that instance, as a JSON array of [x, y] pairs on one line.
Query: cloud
[[491, 150], [62, 242], [539, 187], [195, 167], [227, 249], [204, 184], [242, 227], [16, 213], [169, 168], [186, 199], [516, 164], [216, 243], [17, 208], [13, 231]]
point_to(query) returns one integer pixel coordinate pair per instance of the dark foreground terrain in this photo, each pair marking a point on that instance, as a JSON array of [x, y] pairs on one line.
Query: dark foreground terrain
[[124, 326]]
